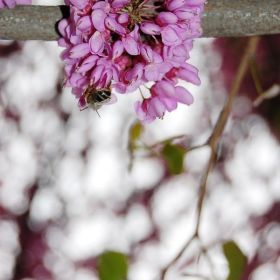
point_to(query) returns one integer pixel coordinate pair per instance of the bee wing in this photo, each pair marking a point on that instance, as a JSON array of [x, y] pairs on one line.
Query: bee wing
[[113, 99]]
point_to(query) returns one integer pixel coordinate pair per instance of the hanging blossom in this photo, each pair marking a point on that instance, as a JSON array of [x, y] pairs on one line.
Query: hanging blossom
[[127, 44], [12, 3]]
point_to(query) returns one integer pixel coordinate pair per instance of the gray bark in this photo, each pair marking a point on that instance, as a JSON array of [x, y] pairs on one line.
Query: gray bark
[[222, 18]]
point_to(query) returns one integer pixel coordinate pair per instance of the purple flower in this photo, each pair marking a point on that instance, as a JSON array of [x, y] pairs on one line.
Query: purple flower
[[122, 45], [165, 97]]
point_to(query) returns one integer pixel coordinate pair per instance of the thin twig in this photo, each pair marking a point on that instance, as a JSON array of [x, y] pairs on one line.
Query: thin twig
[[193, 275], [213, 142], [272, 92], [167, 140]]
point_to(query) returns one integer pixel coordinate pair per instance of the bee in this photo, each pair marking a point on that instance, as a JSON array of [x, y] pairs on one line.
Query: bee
[[96, 97]]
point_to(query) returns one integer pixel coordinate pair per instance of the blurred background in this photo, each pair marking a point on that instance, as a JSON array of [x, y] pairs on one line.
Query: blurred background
[[73, 185]]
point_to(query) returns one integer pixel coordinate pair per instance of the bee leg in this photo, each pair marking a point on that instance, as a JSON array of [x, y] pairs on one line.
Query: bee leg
[[141, 92], [83, 109], [97, 113]]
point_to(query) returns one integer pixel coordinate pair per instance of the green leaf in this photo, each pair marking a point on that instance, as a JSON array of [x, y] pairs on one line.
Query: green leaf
[[135, 132], [236, 260], [174, 157], [112, 266]]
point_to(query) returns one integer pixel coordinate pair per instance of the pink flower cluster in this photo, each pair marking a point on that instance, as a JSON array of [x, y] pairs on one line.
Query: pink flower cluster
[[125, 44], [12, 3]]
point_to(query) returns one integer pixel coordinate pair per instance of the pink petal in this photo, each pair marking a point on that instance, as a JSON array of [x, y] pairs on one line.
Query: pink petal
[[136, 73], [195, 2], [182, 30], [116, 73], [141, 111], [151, 72], [183, 95], [164, 88], [80, 4], [188, 45], [123, 18], [76, 40], [157, 58], [123, 62], [120, 87], [165, 18], [150, 28], [189, 73], [96, 42], [169, 103], [98, 19], [106, 78], [178, 60], [79, 51], [156, 107], [118, 49], [62, 42], [184, 13], [113, 25], [77, 80], [135, 34], [120, 3], [78, 92], [97, 73], [130, 45], [10, 3], [175, 4], [105, 6], [164, 67], [88, 64], [84, 24], [69, 69], [170, 37], [62, 25], [82, 102], [195, 29], [147, 53], [167, 52], [156, 71], [181, 51]]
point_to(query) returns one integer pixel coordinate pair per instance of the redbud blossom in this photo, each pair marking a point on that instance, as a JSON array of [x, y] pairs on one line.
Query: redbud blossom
[[126, 44]]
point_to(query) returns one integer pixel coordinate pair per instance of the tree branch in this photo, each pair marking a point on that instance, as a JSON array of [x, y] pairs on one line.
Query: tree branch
[[221, 18], [213, 142]]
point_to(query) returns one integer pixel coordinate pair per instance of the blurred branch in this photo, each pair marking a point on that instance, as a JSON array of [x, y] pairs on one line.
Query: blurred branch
[[195, 276], [222, 120], [221, 18], [213, 142], [272, 92]]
